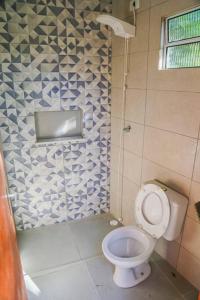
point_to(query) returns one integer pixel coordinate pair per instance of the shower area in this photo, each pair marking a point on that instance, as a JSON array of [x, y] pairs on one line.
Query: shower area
[[55, 107], [55, 58]]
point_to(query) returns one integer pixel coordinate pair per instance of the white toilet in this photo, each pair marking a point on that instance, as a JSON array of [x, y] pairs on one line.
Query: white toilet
[[159, 211]]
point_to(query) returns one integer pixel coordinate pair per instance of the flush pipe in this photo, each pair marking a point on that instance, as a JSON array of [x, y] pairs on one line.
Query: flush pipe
[[123, 130]]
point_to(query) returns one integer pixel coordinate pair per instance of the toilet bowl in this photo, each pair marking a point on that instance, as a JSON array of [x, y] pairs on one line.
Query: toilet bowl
[[129, 249], [159, 211]]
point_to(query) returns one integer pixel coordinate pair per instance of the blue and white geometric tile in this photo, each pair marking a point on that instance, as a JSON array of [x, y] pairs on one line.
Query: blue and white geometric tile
[[54, 55]]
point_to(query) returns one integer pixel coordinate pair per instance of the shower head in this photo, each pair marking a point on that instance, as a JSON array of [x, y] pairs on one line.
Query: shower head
[[120, 28]]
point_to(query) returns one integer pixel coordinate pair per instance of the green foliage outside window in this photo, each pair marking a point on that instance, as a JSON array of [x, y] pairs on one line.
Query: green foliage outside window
[[183, 40], [184, 27]]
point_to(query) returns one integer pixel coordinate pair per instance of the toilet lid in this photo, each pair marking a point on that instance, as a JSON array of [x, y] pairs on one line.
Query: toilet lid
[[152, 210]]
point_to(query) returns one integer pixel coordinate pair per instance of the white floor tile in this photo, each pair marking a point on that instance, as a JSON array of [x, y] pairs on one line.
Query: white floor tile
[[89, 234], [47, 247], [156, 287], [63, 263], [72, 282]]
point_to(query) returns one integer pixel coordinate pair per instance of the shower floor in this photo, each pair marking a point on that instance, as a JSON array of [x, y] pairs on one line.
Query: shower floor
[[65, 262]]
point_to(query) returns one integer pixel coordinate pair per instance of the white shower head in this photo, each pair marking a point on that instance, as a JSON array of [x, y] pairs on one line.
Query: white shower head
[[120, 28]]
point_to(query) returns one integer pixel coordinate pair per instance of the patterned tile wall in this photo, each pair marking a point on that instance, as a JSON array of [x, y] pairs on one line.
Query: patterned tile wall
[[55, 56]]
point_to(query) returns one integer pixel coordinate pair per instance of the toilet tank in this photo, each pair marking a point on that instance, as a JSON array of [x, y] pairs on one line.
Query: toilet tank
[[178, 207]]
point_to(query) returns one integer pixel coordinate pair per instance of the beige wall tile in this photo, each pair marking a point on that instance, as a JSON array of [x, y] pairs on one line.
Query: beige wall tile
[[189, 267], [177, 182], [117, 103], [116, 129], [194, 197], [156, 15], [191, 237], [140, 41], [165, 9], [156, 2], [117, 71], [115, 193], [120, 8], [174, 111], [168, 250], [132, 167], [117, 45], [171, 115], [116, 158], [174, 80], [130, 191], [135, 105], [196, 175], [137, 70], [144, 4], [133, 140], [170, 150]]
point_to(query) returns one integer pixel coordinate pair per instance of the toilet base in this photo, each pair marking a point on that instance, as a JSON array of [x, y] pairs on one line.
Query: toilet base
[[129, 277]]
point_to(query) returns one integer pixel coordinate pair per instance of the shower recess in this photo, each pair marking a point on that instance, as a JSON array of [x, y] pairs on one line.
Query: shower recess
[[126, 31]]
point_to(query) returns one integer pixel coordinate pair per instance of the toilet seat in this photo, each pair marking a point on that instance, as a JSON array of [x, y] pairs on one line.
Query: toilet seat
[[128, 232], [152, 210], [129, 248]]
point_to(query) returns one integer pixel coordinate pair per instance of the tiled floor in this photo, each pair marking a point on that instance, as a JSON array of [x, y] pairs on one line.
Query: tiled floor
[[65, 262]]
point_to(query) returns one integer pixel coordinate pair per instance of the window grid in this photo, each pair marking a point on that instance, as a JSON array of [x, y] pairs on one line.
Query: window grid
[[182, 52]]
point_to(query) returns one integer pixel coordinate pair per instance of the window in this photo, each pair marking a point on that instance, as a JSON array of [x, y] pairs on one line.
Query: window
[[181, 40]]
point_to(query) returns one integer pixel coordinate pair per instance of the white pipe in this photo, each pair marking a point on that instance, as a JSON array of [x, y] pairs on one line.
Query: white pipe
[[121, 144]]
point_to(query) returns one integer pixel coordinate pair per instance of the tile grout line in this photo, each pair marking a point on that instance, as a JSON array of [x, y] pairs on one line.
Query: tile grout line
[[62, 266], [161, 129], [51, 269], [91, 280], [172, 132], [160, 90], [146, 90], [194, 256], [146, 158], [84, 260], [171, 283], [91, 277], [181, 237]]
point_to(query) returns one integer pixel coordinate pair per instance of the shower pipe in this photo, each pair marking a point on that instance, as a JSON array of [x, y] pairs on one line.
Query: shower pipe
[[123, 129], [125, 30], [121, 143]]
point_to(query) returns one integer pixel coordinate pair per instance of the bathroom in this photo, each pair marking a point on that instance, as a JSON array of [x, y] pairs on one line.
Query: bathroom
[[100, 103]]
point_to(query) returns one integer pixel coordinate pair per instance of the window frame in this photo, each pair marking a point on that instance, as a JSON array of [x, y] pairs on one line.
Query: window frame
[[164, 40]]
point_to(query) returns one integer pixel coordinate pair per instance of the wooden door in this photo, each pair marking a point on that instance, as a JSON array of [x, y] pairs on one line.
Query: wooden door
[[12, 285]]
